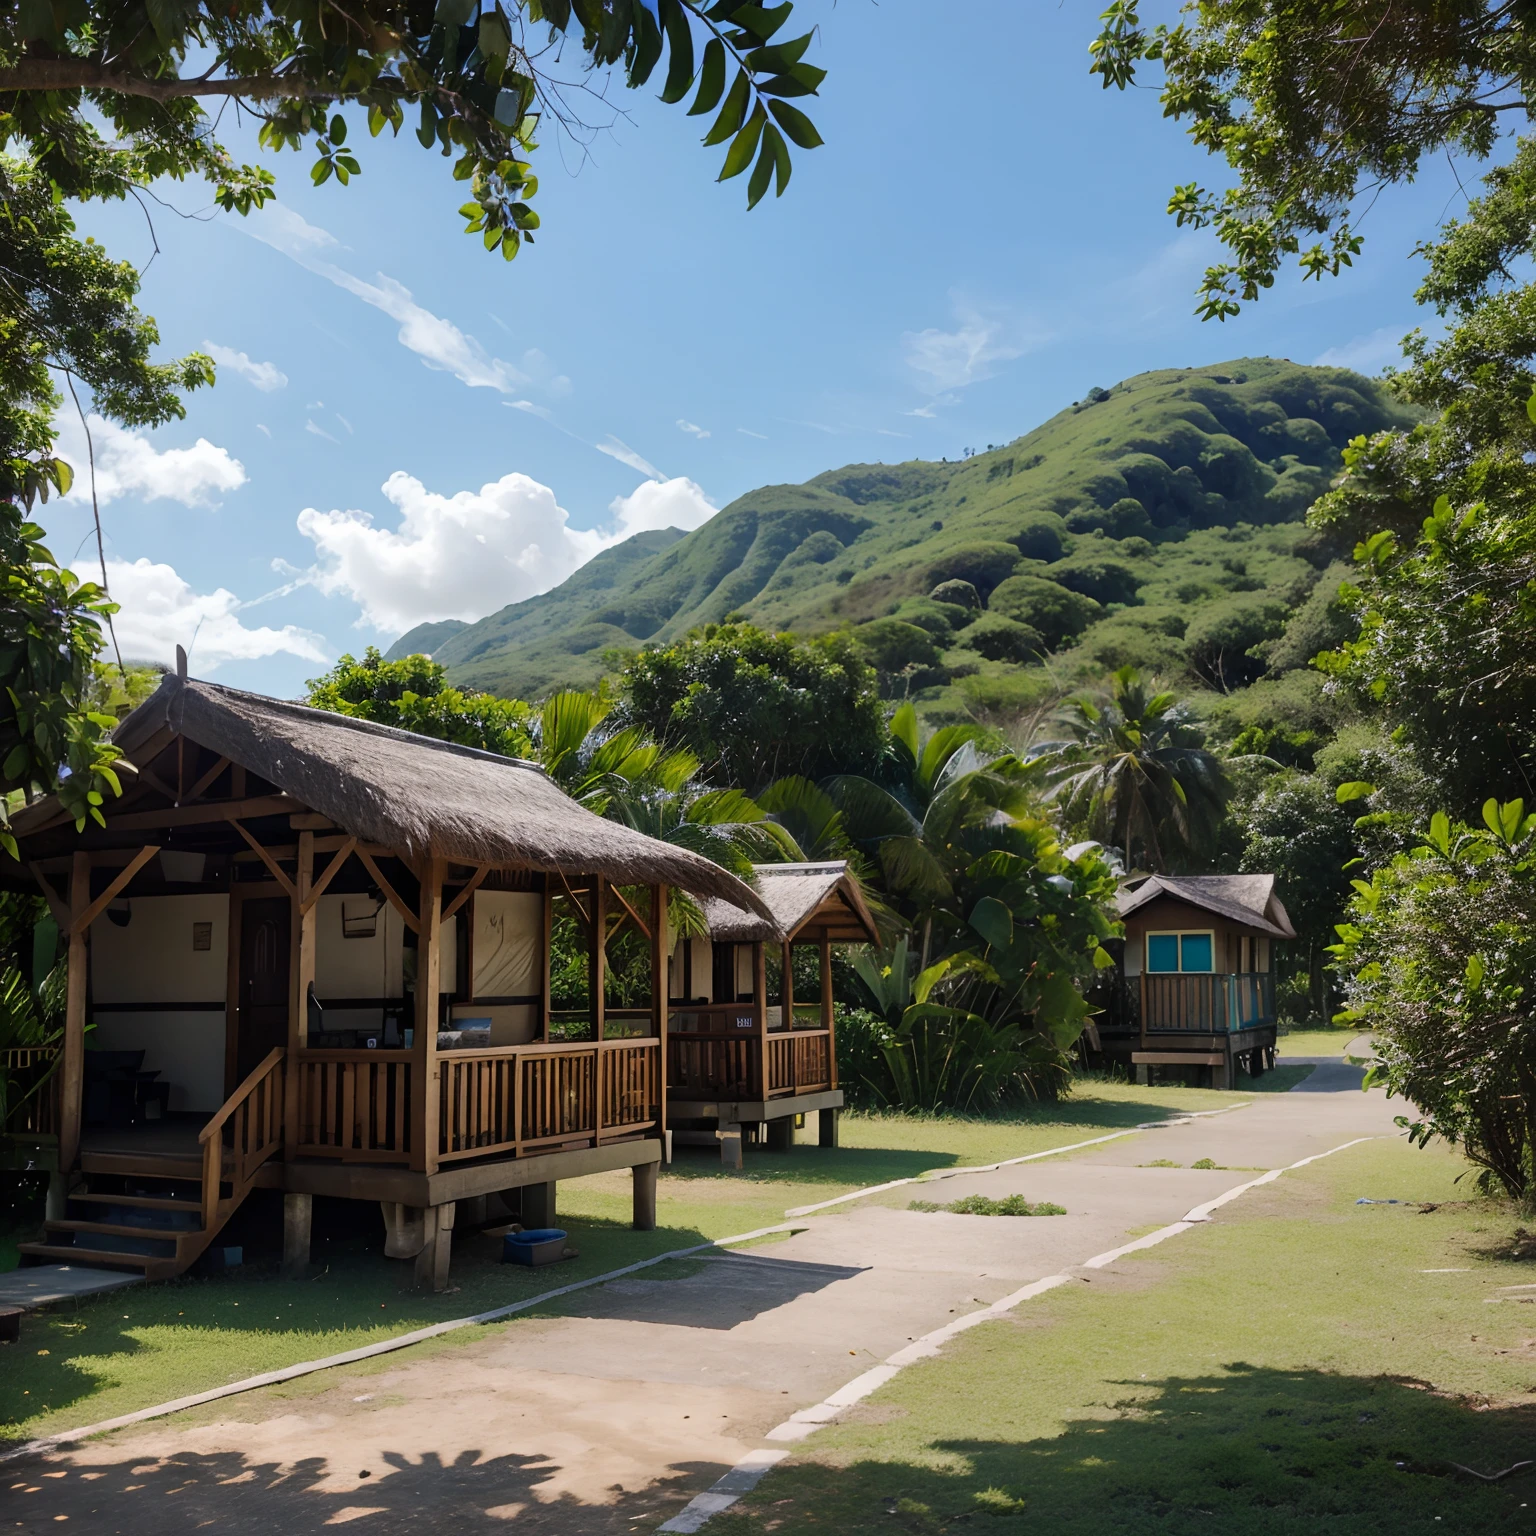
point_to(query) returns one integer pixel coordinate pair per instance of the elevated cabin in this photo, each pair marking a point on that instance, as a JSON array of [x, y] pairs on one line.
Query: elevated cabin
[[312, 954], [751, 1045], [1196, 984]]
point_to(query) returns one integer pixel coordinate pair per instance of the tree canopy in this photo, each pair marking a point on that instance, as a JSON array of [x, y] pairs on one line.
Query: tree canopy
[[1316, 104]]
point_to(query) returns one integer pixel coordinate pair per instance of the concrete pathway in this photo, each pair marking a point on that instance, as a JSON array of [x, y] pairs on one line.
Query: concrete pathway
[[46, 1284], [648, 1389]]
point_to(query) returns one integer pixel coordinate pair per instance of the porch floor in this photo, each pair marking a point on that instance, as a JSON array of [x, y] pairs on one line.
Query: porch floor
[[175, 1137]]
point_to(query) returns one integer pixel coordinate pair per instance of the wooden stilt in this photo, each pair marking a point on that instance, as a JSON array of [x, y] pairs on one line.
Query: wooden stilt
[[72, 1075]]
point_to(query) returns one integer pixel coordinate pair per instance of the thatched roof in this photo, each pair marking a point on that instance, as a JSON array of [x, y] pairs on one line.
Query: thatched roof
[[416, 795], [799, 896], [1246, 899]]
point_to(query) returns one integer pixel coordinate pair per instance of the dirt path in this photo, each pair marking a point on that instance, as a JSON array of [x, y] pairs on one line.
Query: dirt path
[[613, 1415]]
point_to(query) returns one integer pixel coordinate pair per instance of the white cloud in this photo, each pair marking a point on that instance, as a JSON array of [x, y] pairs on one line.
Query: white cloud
[[952, 359], [128, 464], [616, 449], [679, 503], [452, 557], [439, 343], [689, 427], [265, 376], [159, 611], [343, 420], [1366, 354], [464, 556], [318, 431], [762, 437], [261, 426]]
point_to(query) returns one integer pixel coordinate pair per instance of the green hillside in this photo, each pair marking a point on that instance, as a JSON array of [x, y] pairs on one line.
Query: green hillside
[[1158, 521]]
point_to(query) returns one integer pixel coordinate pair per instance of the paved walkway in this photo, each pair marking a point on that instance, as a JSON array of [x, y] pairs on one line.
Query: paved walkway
[[649, 1389]]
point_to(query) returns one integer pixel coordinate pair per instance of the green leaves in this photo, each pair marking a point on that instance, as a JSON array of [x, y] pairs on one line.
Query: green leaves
[[796, 124], [733, 112], [1355, 789], [744, 145]]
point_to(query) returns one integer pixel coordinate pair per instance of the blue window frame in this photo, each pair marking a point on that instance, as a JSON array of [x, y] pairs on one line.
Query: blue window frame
[[1172, 952]]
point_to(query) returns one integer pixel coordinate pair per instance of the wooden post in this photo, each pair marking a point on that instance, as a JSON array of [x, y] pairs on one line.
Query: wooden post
[[644, 1175], [549, 930], [429, 965], [301, 970], [232, 990], [828, 1013], [72, 1075], [760, 1013], [298, 1214], [787, 1011], [597, 958], [661, 954]]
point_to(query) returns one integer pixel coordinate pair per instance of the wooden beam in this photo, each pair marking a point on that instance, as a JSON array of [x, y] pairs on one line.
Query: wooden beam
[[597, 957], [200, 788], [119, 880], [827, 1016], [342, 855], [574, 899], [301, 971], [468, 891], [56, 904], [266, 858], [390, 893], [149, 777], [429, 965], [787, 989], [311, 821], [760, 1012], [72, 1083], [661, 955], [635, 918], [193, 815]]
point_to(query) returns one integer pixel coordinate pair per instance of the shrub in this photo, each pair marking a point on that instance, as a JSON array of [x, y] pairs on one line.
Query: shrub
[[1123, 519], [941, 620], [1002, 639], [1101, 577], [1439, 955], [983, 565], [1043, 537], [1057, 612], [957, 594], [1221, 639], [892, 644]]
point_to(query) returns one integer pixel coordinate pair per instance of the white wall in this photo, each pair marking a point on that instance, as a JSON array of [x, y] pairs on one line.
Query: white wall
[[511, 1023], [507, 943], [370, 967], [152, 959], [702, 952], [187, 1049]]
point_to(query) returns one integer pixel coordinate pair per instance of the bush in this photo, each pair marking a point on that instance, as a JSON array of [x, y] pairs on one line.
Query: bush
[[1222, 638], [892, 644], [1057, 612], [1001, 639], [1043, 537], [957, 594], [983, 565], [1322, 623], [1101, 577], [941, 620], [1439, 957], [1124, 519]]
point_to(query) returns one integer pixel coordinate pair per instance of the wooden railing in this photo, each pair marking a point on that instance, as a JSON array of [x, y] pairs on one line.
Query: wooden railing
[[715, 1066], [247, 1130], [799, 1061], [355, 1105], [1209, 1003], [527, 1098], [31, 1094]]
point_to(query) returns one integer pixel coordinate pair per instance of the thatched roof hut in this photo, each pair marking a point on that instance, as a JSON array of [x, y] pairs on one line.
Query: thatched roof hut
[[823, 897], [411, 793]]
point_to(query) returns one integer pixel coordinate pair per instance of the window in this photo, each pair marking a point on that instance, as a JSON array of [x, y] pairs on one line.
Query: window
[[1167, 952]]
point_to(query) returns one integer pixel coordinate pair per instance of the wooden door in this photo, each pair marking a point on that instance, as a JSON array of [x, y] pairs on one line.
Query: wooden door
[[265, 941]]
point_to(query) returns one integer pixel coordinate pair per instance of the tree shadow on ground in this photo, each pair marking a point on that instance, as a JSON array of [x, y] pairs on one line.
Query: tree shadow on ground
[[808, 1165], [239, 1496], [1247, 1452]]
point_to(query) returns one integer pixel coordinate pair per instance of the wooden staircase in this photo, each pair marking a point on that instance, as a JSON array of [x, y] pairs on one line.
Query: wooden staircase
[[157, 1213]]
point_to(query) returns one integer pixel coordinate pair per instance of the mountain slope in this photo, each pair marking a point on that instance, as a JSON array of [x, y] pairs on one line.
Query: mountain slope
[[1146, 478]]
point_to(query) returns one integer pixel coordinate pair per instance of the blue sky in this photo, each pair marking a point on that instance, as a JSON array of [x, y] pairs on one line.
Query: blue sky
[[406, 428]]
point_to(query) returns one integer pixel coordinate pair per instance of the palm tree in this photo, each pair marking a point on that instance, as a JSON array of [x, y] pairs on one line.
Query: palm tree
[[593, 765], [1134, 774]]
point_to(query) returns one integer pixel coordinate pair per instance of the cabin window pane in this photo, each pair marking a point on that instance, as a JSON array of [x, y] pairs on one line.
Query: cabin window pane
[[1196, 952], [1162, 951]]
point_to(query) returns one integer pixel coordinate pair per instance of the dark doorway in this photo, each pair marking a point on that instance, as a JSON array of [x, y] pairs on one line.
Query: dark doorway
[[265, 939]]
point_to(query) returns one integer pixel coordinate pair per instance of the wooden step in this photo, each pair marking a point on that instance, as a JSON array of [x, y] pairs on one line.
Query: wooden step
[[152, 1266], [117, 1229], [144, 1165], [140, 1202]]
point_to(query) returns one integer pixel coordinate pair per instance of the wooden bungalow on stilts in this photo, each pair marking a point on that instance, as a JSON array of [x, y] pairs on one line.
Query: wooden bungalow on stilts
[[1196, 985], [745, 1050], [313, 955]]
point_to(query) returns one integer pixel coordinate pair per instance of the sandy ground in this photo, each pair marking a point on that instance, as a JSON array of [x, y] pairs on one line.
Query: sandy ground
[[616, 1413]]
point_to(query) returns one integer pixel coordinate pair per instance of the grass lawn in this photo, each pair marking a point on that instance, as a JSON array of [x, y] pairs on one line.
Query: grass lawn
[[1303, 1363], [148, 1344], [1316, 1042]]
